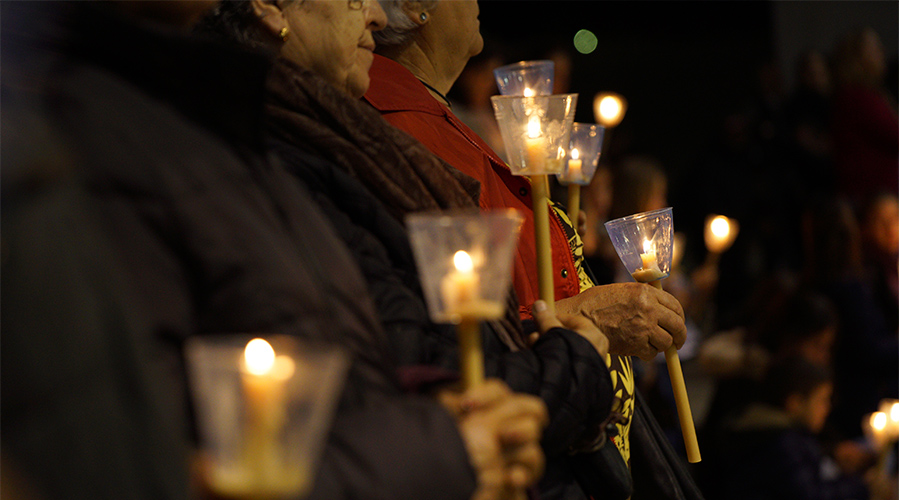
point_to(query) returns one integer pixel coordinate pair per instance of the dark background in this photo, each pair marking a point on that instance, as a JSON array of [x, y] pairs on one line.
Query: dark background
[[702, 80]]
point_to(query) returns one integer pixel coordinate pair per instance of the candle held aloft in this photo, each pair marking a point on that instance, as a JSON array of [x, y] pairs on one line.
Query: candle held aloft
[[719, 233], [609, 109], [459, 288], [535, 146], [264, 376], [574, 172], [648, 257]]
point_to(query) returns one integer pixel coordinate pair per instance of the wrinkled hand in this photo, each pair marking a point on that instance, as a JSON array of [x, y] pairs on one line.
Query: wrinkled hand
[[502, 432], [577, 323], [638, 319]]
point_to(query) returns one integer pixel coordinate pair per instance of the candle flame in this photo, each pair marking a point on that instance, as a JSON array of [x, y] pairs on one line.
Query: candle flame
[[528, 92], [259, 357], [534, 127], [895, 412], [462, 262], [574, 153], [610, 107], [648, 246], [720, 226], [878, 421]]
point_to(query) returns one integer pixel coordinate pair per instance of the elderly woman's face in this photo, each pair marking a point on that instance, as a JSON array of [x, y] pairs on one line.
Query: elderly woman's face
[[458, 21], [334, 39]]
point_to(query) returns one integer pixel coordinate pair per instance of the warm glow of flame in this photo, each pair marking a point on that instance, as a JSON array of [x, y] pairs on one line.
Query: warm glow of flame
[[610, 107], [534, 127], [574, 153], [528, 92], [259, 357], [878, 421], [462, 262], [895, 412], [720, 227], [648, 246]]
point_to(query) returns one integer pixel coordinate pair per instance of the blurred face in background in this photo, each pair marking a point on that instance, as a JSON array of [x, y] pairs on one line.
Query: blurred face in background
[[812, 410]]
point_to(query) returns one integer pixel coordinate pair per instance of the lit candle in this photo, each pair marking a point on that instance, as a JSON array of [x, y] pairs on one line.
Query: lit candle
[[535, 147], [609, 109], [648, 257], [459, 288], [574, 172], [528, 92], [264, 376], [718, 234], [461, 299], [891, 408], [878, 429]]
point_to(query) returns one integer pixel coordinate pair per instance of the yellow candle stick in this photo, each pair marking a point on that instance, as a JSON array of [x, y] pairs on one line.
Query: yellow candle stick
[[539, 195], [574, 204], [673, 363]]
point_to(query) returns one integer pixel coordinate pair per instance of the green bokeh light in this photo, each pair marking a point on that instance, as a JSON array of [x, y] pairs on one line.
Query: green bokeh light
[[585, 41]]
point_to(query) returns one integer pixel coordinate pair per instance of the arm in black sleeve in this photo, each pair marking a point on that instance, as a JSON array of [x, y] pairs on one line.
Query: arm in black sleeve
[[395, 448]]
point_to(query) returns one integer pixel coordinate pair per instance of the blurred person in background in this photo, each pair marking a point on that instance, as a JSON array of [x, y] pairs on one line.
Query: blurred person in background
[[866, 361], [770, 450], [864, 122], [881, 238]]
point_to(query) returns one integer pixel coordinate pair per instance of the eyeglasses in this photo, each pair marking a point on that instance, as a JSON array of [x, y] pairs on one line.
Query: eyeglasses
[[356, 4]]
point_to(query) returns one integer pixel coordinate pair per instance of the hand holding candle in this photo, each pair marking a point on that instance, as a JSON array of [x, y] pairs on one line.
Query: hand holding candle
[[644, 243]]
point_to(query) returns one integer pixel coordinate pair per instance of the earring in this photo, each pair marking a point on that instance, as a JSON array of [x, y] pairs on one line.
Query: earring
[[284, 34], [423, 16]]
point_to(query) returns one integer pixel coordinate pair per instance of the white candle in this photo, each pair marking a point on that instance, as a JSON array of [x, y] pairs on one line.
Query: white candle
[[264, 376], [648, 258], [459, 288], [535, 147], [574, 172]]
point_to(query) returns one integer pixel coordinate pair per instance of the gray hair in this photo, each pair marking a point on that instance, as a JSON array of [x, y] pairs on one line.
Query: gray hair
[[400, 28]]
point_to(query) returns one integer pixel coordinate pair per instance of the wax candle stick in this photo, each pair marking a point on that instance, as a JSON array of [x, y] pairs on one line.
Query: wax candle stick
[[673, 363], [460, 290], [539, 195], [574, 204], [535, 146], [264, 376]]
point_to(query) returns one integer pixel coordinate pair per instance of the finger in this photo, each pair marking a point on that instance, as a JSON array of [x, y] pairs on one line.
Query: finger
[[660, 339], [674, 327], [521, 431], [525, 466], [490, 393], [669, 301], [545, 319], [518, 406]]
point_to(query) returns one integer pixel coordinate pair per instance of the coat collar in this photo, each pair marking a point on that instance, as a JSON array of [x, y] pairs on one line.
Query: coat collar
[[395, 88]]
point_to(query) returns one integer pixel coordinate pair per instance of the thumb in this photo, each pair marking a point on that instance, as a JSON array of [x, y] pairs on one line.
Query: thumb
[[545, 319]]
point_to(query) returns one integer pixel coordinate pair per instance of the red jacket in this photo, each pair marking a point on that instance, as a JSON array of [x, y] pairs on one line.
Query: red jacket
[[406, 103]]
